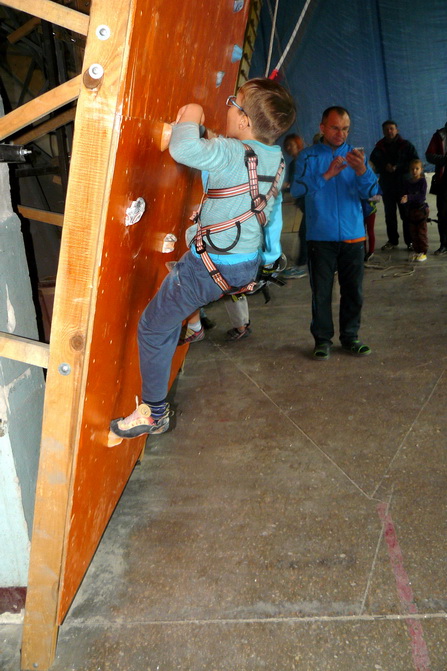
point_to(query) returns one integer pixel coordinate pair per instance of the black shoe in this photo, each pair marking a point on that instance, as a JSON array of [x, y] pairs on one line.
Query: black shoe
[[207, 323], [322, 352], [388, 246], [356, 347], [441, 250]]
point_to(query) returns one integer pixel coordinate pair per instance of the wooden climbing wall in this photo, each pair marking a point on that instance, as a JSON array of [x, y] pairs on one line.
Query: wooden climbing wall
[[155, 55]]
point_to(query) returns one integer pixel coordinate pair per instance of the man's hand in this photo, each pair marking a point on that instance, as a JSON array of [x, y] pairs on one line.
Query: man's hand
[[404, 199], [390, 168], [337, 165], [192, 113], [356, 160]]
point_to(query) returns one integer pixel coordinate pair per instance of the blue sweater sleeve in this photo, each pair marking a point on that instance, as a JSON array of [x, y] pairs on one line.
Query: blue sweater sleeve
[[309, 180], [305, 179], [367, 183], [187, 147]]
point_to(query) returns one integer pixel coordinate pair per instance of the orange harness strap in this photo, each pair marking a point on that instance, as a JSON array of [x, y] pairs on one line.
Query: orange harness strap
[[258, 204]]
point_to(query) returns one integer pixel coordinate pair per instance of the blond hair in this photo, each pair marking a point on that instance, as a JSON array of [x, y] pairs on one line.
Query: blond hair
[[270, 108]]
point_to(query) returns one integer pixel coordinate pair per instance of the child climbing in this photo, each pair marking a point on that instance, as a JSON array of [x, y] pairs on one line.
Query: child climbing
[[237, 229]]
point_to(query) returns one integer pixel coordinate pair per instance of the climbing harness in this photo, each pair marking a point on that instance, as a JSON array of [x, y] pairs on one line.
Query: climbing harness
[[258, 204]]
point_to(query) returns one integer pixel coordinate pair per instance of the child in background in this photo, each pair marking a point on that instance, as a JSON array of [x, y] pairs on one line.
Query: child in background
[[369, 208], [237, 309], [293, 144], [416, 209], [227, 242]]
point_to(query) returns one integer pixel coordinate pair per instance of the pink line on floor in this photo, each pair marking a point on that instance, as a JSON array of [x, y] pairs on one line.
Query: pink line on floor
[[419, 650]]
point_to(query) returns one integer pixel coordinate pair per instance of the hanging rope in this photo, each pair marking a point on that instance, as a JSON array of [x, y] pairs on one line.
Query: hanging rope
[[272, 35], [275, 72]]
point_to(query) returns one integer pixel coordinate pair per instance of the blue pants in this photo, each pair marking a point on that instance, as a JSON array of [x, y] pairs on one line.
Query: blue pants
[[347, 258], [184, 290]]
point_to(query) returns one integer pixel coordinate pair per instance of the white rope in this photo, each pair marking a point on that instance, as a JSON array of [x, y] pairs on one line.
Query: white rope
[[272, 35], [290, 42]]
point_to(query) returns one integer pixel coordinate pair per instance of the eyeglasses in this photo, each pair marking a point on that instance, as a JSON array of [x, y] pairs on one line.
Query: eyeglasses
[[231, 100]]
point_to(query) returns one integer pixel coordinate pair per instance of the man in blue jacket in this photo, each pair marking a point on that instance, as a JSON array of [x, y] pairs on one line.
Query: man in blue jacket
[[334, 177]]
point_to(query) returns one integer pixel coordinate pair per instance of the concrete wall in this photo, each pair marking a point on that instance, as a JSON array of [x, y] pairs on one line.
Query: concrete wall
[[21, 400]]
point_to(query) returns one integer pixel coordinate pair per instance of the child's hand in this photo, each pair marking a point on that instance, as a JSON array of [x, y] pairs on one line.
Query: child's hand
[[191, 112], [404, 199]]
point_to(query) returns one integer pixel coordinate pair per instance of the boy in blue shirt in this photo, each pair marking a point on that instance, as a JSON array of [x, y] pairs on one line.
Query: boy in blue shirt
[[237, 229]]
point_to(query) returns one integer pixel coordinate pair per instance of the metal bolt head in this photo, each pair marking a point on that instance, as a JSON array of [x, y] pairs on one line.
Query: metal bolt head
[[96, 71], [64, 369], [103, 32]]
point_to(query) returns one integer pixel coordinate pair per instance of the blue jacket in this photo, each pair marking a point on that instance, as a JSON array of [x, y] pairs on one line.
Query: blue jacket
[[333, 207]]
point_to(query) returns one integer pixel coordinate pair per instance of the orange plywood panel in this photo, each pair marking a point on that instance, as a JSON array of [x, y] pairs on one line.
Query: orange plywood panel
[[154, 56], [91, 174], [174, 57]]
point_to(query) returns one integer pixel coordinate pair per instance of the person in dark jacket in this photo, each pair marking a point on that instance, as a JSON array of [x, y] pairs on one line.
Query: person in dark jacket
[[437, 154], [391, 159]]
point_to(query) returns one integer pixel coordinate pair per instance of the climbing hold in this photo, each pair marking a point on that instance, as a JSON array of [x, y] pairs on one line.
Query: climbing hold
[[219, 77], [169, 243], [237, 53], [161, 134], [113, 439], [135, 211]]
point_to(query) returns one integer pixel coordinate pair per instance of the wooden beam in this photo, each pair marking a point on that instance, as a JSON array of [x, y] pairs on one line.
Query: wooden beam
[[46, 127], [52, 12], [45, 216], [24, 30], [95, 143], [39, 107], [23, 349]]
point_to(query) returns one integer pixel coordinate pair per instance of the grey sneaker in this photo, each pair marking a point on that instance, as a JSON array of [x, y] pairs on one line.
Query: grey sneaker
[[234, 334], [140, 422], [191, 336], [293, 273]]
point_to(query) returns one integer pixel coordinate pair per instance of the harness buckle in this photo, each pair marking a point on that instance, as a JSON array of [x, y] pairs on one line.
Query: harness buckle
[[262, 200], [250, 154]]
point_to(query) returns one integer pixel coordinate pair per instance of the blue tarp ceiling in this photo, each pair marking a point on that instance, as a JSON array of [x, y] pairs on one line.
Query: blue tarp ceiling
[[379, 59]]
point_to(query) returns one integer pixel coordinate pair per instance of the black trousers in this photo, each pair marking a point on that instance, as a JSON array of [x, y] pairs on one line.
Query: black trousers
[[441, 206], [324, 259], [302, 256], [391, 203]]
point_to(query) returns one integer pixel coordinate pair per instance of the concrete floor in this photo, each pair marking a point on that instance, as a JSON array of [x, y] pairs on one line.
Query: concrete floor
[[295, 519]]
